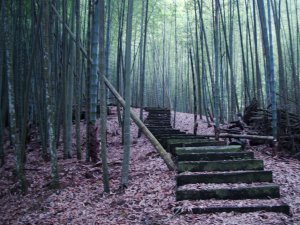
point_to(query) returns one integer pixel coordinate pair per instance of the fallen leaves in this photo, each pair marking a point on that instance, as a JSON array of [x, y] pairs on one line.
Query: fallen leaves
[[149, 199]]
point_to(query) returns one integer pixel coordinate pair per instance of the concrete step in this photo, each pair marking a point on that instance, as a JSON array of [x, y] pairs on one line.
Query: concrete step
[[159, 132], [253, 192], [229, 177], [226, 165], [208, 149], [212, 156], [171, 144], [165, 137], [254, 207]]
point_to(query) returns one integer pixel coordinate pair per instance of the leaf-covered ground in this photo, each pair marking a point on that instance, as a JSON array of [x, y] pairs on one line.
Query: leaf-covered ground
[[149, 199]]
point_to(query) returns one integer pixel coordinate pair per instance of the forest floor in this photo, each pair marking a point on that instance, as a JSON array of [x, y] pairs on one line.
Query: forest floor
[[149, 199]]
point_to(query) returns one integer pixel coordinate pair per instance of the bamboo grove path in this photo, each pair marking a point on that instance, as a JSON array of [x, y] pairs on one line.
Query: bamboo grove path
[[212, 170]]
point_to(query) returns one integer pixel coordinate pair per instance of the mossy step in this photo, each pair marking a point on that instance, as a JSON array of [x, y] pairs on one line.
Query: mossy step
[[157, 115], [180, 136], [158, 132], [171, 144], [255, 192], [280, 208], [159, 123], [162, 129], [159, 127], [163, 138], [188, 140], [157, 120], [212, 156], [159, 111], [231, 177], [228, 165], [208, 149]]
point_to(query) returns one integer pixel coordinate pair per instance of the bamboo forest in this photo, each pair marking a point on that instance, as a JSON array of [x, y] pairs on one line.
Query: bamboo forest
[[149, 112]]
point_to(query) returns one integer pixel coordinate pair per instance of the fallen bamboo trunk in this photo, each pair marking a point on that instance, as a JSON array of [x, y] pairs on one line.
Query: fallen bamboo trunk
[[162, 152]]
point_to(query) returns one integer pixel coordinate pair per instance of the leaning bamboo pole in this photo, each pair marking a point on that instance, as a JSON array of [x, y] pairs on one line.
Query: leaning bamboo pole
[[162, 152]]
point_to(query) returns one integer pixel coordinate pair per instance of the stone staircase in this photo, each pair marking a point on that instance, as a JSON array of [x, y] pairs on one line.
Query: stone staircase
[[210, 170]]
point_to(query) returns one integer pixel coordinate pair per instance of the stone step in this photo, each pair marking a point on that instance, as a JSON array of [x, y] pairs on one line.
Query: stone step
[[161, 124], [165, 137], [159, 127], [254, 192], [159, 114], [159, 132], [226, 165], [278, 208], [182, 136], [230, 177], [171, 144], [157, 123], [212, 156], [158, 118], [162, 129], [153, 111], [208, 149]]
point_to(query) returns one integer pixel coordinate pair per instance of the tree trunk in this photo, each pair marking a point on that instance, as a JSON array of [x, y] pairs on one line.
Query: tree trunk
[[78, 81], [143, 42], [14, 130], [94, 145], [103, 109], [126, 155]]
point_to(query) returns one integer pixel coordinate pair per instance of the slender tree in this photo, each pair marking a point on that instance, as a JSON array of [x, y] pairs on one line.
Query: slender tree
[[78, 80], [194, 94], [94, 145], [269, 61], [14, 130], [176, 64], [103, 109], [143, 65], [197, 62], [217, 60], [2, 80], [292, 61], [126, 155]]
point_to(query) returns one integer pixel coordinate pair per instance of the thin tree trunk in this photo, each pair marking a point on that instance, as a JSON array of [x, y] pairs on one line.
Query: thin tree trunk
[[245, 72], [103, 102], [66, 122], [194, 94], [217, 60], [126, 155], [269, 61], [2, 80], [78, 81], [14, 130], [94, 145], [259, 96], [48, 76], [176, 67], [107, 41], [197, 62], [88, 77], [292, 62], [142, 75]]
